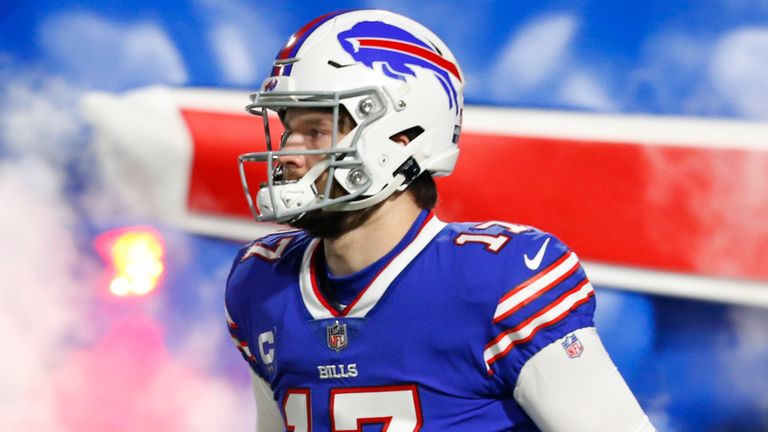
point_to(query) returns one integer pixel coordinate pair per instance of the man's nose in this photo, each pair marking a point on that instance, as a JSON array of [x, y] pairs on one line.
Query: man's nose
[[292, 142]]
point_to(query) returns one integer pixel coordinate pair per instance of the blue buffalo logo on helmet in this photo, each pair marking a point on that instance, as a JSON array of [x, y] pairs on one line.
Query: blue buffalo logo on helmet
[[397, 51]]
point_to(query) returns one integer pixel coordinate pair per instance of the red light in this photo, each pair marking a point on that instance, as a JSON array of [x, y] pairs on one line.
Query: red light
[[136, 259]]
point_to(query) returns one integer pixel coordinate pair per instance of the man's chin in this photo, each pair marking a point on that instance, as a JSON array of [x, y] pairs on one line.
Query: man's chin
[[331, 224]]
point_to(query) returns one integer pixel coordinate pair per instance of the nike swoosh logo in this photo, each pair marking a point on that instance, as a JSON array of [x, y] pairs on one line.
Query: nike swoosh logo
[[535, 262]]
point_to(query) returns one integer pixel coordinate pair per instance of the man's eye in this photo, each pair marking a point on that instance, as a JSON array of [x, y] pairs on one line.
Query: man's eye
[[316, 133], [284, 137]]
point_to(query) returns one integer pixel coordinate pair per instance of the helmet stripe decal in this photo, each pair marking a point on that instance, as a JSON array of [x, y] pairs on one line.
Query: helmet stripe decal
[[415, 50], [296, 40]]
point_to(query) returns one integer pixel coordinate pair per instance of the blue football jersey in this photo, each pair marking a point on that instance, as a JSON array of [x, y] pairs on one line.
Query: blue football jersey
[[434, 342]]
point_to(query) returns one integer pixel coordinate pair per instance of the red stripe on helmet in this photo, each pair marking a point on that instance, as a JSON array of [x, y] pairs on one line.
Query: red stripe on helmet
[[414, 50]]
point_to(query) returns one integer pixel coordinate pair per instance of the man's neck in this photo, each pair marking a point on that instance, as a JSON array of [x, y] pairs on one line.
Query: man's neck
[[361, 247]]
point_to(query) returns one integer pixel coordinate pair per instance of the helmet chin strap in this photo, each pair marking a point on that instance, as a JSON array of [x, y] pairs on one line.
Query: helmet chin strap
[[383, 194], [403, 177]]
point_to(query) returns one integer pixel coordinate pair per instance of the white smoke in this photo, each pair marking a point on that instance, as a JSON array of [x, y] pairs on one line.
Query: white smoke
[[243, 41], [41, 295], [723, 197], [533, 55], [678, 72], [747, 358], [47, 277], [109, 54], [657, 410], [70, 362], [738, 68], [668, 75], [694, 75], [583, 89], [537, 64], [235, 59]]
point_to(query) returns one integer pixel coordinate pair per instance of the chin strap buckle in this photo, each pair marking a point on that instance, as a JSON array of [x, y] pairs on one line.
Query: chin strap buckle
[[409, 169]]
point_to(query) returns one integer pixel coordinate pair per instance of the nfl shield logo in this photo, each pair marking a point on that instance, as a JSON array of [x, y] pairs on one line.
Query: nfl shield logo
[[337, 336], [572, 346]]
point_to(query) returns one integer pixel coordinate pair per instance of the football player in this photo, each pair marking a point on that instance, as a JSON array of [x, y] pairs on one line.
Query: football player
[[372, 313]]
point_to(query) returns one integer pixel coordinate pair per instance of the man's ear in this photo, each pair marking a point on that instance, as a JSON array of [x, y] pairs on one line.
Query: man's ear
[[400, 138], [408, 135]]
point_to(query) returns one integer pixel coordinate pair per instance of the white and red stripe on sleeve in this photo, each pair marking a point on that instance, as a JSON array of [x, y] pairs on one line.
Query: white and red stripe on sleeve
[[541, 301]]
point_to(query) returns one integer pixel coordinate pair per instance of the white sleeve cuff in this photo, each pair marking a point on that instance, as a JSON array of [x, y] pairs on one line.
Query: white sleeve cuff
[[582, 391]]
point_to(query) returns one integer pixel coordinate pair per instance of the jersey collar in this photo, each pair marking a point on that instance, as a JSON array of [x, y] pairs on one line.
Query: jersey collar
[[319, 308]]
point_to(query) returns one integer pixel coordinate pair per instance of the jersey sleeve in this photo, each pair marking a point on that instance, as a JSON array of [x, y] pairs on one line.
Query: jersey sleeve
[[547, 297], [255, 261], [231, 311]]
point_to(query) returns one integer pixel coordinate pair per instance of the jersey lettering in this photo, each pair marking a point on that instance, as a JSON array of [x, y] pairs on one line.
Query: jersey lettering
[[337, 371], [268, 355], [267, 253], [297, 410], [493, 243], [397, 408]]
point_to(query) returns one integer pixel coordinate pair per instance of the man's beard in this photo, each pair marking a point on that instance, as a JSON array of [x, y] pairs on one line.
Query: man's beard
[[332, 224]]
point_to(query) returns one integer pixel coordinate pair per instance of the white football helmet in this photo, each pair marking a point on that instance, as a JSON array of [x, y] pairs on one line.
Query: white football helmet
[[392, 75]]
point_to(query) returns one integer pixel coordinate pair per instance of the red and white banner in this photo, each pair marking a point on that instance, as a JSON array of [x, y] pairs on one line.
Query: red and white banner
[[658, 198]]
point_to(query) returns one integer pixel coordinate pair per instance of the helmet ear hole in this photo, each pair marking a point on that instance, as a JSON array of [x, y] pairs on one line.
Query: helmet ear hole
[[411, 134]]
